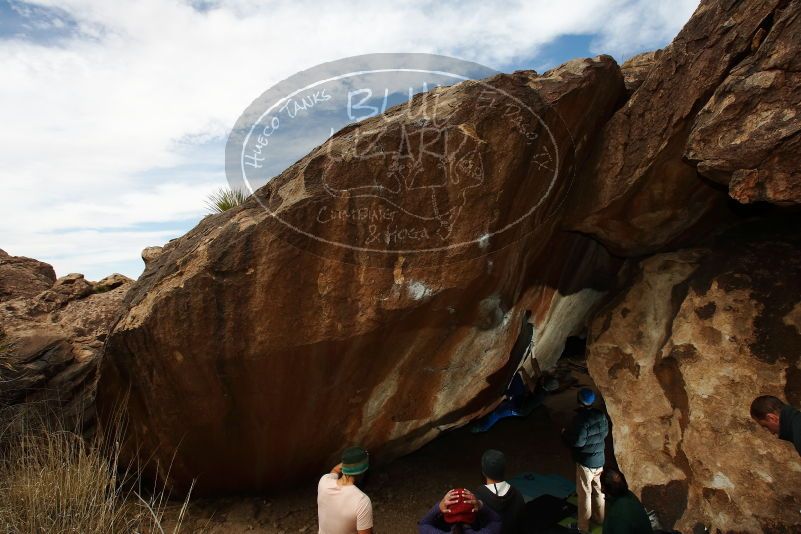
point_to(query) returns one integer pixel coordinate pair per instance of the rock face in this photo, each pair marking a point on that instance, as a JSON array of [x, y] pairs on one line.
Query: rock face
[[637, 68], [748, 136], [639, 193], [23, 277], [254, 354], [679, 357], [256, 347], [50, 342], [149, 254]]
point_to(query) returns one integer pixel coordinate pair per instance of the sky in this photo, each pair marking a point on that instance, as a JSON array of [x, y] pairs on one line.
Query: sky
[[114, 115]]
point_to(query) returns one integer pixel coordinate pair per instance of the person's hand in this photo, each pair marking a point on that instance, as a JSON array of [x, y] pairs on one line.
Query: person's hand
[[452, 497], [471, 499], [337, 470]]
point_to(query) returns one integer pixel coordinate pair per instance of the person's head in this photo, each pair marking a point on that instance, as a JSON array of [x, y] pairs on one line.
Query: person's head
[[586, 397], [461, 511], [355, 463], [613, 483], [493, 466], [766, 410]]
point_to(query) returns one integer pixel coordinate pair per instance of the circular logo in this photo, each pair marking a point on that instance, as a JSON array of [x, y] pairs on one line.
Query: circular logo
[[402, 154]]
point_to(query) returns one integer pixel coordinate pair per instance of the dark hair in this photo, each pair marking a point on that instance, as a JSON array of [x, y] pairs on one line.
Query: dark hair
[[764, 405], [493, 464], [614, 483]]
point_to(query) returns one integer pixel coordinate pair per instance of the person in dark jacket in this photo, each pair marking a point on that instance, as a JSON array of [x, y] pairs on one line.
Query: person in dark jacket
[[499, 495], [587, 437], [460, 512], [779, 418], [625, 514]]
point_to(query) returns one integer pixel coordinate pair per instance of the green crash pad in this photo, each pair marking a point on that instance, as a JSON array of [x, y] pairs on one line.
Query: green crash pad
[[573, 499]]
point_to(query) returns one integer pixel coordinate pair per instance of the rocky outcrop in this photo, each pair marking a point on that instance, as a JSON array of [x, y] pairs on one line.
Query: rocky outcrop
[[253, 353], [680, 355], [637, 68], [639, 193], [23, 277], [150, 254], [384, 286], [748, 135], [700, 332], [50, 344]]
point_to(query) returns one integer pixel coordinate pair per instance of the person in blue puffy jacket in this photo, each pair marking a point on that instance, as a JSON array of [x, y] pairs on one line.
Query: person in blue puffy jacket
[[587, 437]]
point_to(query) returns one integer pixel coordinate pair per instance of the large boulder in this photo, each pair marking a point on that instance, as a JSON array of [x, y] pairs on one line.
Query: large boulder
[[50, 345], [23, 277], [638, 193], [680, 355], [252, 353], [748, 135]]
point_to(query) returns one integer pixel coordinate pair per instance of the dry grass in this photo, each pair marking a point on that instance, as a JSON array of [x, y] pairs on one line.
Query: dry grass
[[53, 481], [6, 347]]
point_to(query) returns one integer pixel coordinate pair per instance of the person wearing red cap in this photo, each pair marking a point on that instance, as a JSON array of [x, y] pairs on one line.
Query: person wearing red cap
[[343, 508], [459, 512]]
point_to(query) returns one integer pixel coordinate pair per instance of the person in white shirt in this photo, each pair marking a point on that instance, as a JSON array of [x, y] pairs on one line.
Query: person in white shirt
[[342, 508]]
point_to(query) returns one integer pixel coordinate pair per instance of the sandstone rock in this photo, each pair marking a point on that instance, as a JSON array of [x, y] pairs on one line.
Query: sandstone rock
[[66, 289], [23, 277], [149, 254], [254, 354], [112, 281], [636, 69], [748, 135], [680, 355], [637, 193], [50, 345]]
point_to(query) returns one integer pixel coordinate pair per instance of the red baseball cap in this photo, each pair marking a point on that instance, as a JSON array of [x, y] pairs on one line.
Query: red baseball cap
[[461, 511]]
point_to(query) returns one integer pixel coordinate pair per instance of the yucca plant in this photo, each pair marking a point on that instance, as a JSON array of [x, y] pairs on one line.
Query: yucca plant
[[225, 198]]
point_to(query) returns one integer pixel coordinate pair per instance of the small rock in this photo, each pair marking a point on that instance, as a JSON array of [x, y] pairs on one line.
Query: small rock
[[110, 282], [150, 254]]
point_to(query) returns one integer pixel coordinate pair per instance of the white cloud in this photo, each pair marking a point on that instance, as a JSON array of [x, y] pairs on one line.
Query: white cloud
[[93, 123], [639, 25]]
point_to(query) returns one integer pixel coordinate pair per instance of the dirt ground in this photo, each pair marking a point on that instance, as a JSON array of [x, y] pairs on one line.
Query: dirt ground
[[403, 491]]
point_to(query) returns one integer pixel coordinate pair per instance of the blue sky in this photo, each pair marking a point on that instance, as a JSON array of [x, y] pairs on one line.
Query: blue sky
[[115, 114]]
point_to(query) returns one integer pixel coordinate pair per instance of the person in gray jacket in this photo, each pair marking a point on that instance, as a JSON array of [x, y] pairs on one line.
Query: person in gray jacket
[[587, 437], [778, 418]]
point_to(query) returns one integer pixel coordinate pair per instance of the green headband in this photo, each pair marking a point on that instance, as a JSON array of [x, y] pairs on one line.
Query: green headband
[[355, 469], [355, 461]]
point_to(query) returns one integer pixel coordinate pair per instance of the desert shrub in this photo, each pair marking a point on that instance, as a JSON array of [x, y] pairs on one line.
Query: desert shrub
[[53, 480]]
